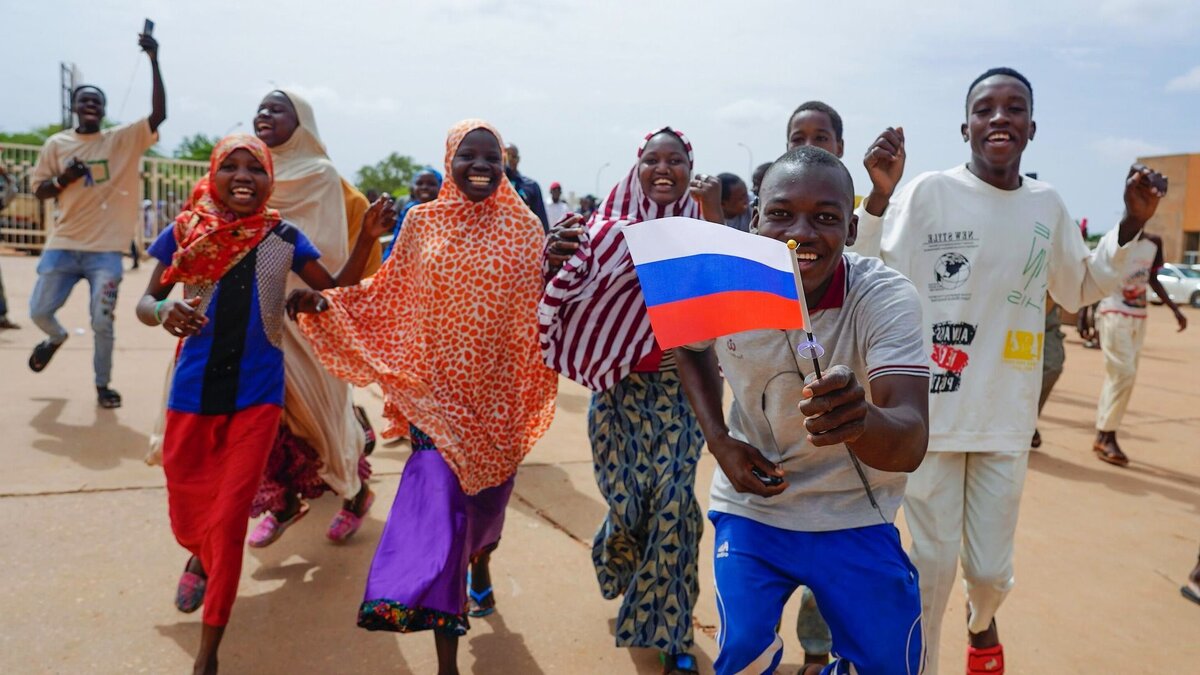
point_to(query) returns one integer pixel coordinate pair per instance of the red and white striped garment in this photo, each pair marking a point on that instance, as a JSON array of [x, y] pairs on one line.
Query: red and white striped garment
[[592, 317]]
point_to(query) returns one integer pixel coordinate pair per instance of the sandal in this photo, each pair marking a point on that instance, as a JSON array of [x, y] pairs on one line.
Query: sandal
[[368, 430], [684, 664], [1037, 439], [1116, 457], [189, 594], [474, 607], [42, 353], [347, 522], [985, 661], [107, 398], [270, 528], [7, 324], [1191, 591]]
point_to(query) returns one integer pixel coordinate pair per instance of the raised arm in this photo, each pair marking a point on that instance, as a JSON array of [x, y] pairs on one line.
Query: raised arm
[[891, 433], [158, 98], [703, 387]]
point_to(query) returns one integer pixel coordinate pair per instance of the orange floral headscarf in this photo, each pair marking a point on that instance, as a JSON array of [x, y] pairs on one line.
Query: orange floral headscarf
[[210, 238], [448, 328]]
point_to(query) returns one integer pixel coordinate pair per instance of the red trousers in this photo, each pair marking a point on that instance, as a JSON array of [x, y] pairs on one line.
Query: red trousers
[[214, 465]]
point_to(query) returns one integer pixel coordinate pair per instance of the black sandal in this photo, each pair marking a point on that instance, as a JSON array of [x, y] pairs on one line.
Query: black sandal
[[42, 353], [108, 398], [683, 664]]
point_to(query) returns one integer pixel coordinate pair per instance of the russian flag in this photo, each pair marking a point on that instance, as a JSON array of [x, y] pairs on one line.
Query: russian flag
[[702, 280]]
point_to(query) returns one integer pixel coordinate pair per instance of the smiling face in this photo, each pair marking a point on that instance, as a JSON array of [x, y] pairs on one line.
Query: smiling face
[[89, 108], [812, 204], [276, 119], [242, 183], [425, 187], [664, 169], [813, 127], [478, 165], [999, 124]]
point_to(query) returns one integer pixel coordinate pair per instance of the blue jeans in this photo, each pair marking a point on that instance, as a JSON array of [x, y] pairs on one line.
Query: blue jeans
[[865, 584], [58, 272]]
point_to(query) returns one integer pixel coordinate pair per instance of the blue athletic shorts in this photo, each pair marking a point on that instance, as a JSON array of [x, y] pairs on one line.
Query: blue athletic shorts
[[864, 583]]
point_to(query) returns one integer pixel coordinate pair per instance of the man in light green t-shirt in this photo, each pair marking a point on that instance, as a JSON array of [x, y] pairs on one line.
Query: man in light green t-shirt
[[92, 174]]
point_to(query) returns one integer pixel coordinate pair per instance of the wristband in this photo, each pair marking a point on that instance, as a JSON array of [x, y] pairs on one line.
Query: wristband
[[158, 306], [58, 183]]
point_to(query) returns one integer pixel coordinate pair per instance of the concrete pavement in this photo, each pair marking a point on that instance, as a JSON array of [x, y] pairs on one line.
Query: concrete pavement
[[89, 564]]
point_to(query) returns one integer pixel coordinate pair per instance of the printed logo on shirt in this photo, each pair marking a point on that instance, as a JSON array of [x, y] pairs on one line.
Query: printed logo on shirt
[[948, 338], [1033, 276], [99, 169], [1023, 349], [956, 239], [950, 272], [723, 550], [731, 349]]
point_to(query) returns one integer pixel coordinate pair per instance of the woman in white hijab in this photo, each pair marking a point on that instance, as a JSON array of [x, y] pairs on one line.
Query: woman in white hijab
[[324, 438]]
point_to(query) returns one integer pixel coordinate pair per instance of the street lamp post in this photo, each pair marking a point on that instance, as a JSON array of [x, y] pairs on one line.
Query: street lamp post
[[598, 172], [749, 159]]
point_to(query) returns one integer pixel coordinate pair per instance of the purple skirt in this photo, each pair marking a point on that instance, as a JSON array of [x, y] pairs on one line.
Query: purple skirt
[[418, 578]]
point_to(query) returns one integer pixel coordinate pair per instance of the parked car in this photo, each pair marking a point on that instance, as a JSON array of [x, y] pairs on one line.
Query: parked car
[[1181, 282]]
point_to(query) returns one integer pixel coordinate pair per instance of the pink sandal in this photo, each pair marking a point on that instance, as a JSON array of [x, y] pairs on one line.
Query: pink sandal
[[189, 594], [270, 528], [346, 522]]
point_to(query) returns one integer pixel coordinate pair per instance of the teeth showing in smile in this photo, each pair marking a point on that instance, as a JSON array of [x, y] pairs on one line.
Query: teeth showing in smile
[[664, 181], [479, 180], [242, 192], [808, 257], [999, 136]]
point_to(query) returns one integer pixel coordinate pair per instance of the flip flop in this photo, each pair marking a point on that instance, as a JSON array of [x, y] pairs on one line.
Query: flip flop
[[42, 353], [1111, 458], [475, 608], [271, 529], [1191, 591], [985, 661], [107, 398]]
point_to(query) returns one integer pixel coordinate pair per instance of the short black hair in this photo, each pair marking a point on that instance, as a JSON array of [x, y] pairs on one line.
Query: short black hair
[[810, 155], [89, 87], [1007, 72], [822, 107], [728, 180]]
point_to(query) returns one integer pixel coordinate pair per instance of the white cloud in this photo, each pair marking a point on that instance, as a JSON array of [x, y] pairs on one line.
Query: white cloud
[[1189, 81], [748, 111], [1127, 149]]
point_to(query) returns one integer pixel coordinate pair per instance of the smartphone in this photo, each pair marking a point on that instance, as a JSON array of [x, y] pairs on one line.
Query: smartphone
[[768, 480], [148, 27]]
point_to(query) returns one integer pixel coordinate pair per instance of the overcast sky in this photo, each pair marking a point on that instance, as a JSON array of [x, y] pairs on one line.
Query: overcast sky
[[576, 84]]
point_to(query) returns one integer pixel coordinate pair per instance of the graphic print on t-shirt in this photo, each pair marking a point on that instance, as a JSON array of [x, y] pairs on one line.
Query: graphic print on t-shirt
[[949, 338], [952, 266], [1032, 293], [99, 170], [1023, 349]]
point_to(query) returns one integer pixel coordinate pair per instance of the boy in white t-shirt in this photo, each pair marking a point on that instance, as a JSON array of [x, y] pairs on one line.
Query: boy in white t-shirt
[[983, 244], [812, 471], [93, 174], [1121, 319]]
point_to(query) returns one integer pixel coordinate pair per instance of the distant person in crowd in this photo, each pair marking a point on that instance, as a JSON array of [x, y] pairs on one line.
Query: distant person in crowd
[[526, 187], [645, 439], [372, 195], [816, 123], [424, 189], [756, 179], [8, 190], [587, 206], [233, 256], [557, 209], [444, 329], [93, 174], [735, 202], [1121, 320], [984, 244], [324, 438]]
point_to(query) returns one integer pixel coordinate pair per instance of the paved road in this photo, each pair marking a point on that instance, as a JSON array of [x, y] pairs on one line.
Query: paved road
[[89, 564]]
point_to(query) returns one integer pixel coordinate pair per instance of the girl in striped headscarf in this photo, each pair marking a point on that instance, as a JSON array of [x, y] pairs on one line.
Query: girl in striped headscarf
[[645, 438]]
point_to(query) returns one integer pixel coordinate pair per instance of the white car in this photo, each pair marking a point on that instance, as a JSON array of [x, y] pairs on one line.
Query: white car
[[1181, 282]]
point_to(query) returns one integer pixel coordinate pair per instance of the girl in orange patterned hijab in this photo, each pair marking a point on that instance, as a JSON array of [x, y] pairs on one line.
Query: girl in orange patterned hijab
[[448, 328]]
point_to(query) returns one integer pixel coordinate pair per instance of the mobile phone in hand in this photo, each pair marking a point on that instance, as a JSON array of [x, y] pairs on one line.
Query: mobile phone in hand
[[768, 480], [148, 27]]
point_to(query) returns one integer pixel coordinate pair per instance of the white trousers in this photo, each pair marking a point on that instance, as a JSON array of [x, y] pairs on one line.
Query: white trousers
[[964, 504], [1121, 340]]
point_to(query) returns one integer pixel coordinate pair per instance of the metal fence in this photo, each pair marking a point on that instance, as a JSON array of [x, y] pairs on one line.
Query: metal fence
[[165, 187]]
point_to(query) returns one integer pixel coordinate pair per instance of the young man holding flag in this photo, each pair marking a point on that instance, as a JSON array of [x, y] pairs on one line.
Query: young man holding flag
[[812, 470]]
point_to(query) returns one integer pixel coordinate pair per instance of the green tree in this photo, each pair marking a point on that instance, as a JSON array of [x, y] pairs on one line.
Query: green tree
[[198, 147], [393, 174], [32, 137]]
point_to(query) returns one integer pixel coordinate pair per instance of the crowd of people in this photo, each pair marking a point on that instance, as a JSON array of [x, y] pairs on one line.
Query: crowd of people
[[933, 299]]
